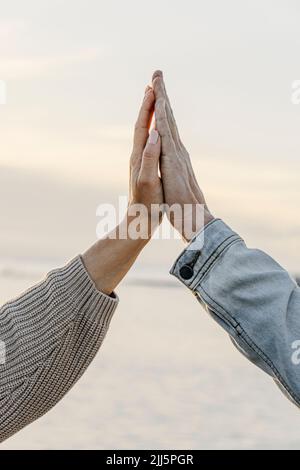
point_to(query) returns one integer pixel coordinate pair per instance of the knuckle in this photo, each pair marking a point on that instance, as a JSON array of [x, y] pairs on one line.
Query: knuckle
[[166, 135], [148, 154], [178, 165], [160, 101], [161, 119], [145, 181]]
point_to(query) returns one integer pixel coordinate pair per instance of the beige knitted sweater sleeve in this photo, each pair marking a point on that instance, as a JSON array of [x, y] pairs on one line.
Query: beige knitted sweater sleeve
[[49, 335]]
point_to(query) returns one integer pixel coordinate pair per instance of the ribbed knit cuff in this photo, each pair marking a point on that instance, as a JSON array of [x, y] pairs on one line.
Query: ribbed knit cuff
[[202, 252], [74, 281]]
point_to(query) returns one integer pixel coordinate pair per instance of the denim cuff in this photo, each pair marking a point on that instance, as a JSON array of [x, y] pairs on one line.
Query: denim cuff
[[203, 252]]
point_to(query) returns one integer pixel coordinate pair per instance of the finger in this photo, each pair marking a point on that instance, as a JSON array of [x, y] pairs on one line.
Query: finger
[[173, 125], [150, 158], [162, 124], [141, 130], [157, 84], [161, 92]]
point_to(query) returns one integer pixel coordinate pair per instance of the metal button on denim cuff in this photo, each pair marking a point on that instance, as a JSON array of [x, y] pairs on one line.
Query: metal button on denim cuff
[[186, 272]]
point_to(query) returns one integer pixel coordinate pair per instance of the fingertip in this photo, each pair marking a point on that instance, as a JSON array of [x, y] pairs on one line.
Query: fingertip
[[149, 94], [156, 74], [149, 98], [158, 84]]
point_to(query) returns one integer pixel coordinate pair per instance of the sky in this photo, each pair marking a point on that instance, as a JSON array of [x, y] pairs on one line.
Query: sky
[[75, 72]]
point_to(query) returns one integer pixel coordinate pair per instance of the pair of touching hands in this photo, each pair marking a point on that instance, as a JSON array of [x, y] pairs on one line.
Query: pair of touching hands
[[161, 176], [161, 172]]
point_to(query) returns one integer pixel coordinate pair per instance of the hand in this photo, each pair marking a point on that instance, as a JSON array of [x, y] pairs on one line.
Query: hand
[[145, 187], [109, 259], [179, 182]]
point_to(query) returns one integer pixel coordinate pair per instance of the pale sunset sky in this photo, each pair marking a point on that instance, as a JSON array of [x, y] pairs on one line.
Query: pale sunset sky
[[75, 74]]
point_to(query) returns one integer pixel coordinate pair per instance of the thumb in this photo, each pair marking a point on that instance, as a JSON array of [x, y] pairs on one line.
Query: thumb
[[150, 158]]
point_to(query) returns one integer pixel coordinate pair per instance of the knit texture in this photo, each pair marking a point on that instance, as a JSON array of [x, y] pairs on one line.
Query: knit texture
[[51, 334]]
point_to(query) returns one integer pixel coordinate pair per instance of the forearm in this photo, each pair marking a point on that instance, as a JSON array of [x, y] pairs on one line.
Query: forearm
[[110, 258], [251, 297], [51, 334]]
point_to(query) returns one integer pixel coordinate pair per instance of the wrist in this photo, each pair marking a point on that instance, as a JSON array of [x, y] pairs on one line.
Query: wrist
[[140, 222], [208, 217], [109, 259], [199, 224]]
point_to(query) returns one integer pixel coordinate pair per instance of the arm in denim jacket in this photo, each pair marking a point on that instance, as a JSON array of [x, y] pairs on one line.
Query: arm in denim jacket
[[251, 296]]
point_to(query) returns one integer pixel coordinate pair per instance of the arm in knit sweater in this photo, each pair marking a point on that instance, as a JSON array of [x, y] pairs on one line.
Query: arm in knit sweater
[[50, 334]]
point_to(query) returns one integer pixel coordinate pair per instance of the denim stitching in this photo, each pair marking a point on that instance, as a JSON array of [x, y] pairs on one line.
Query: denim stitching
[[215, 255], [249, 341], [173, 269], [213, 252]]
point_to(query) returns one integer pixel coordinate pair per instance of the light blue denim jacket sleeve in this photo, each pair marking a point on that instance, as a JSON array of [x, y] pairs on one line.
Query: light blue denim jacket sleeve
[[251, 296]]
